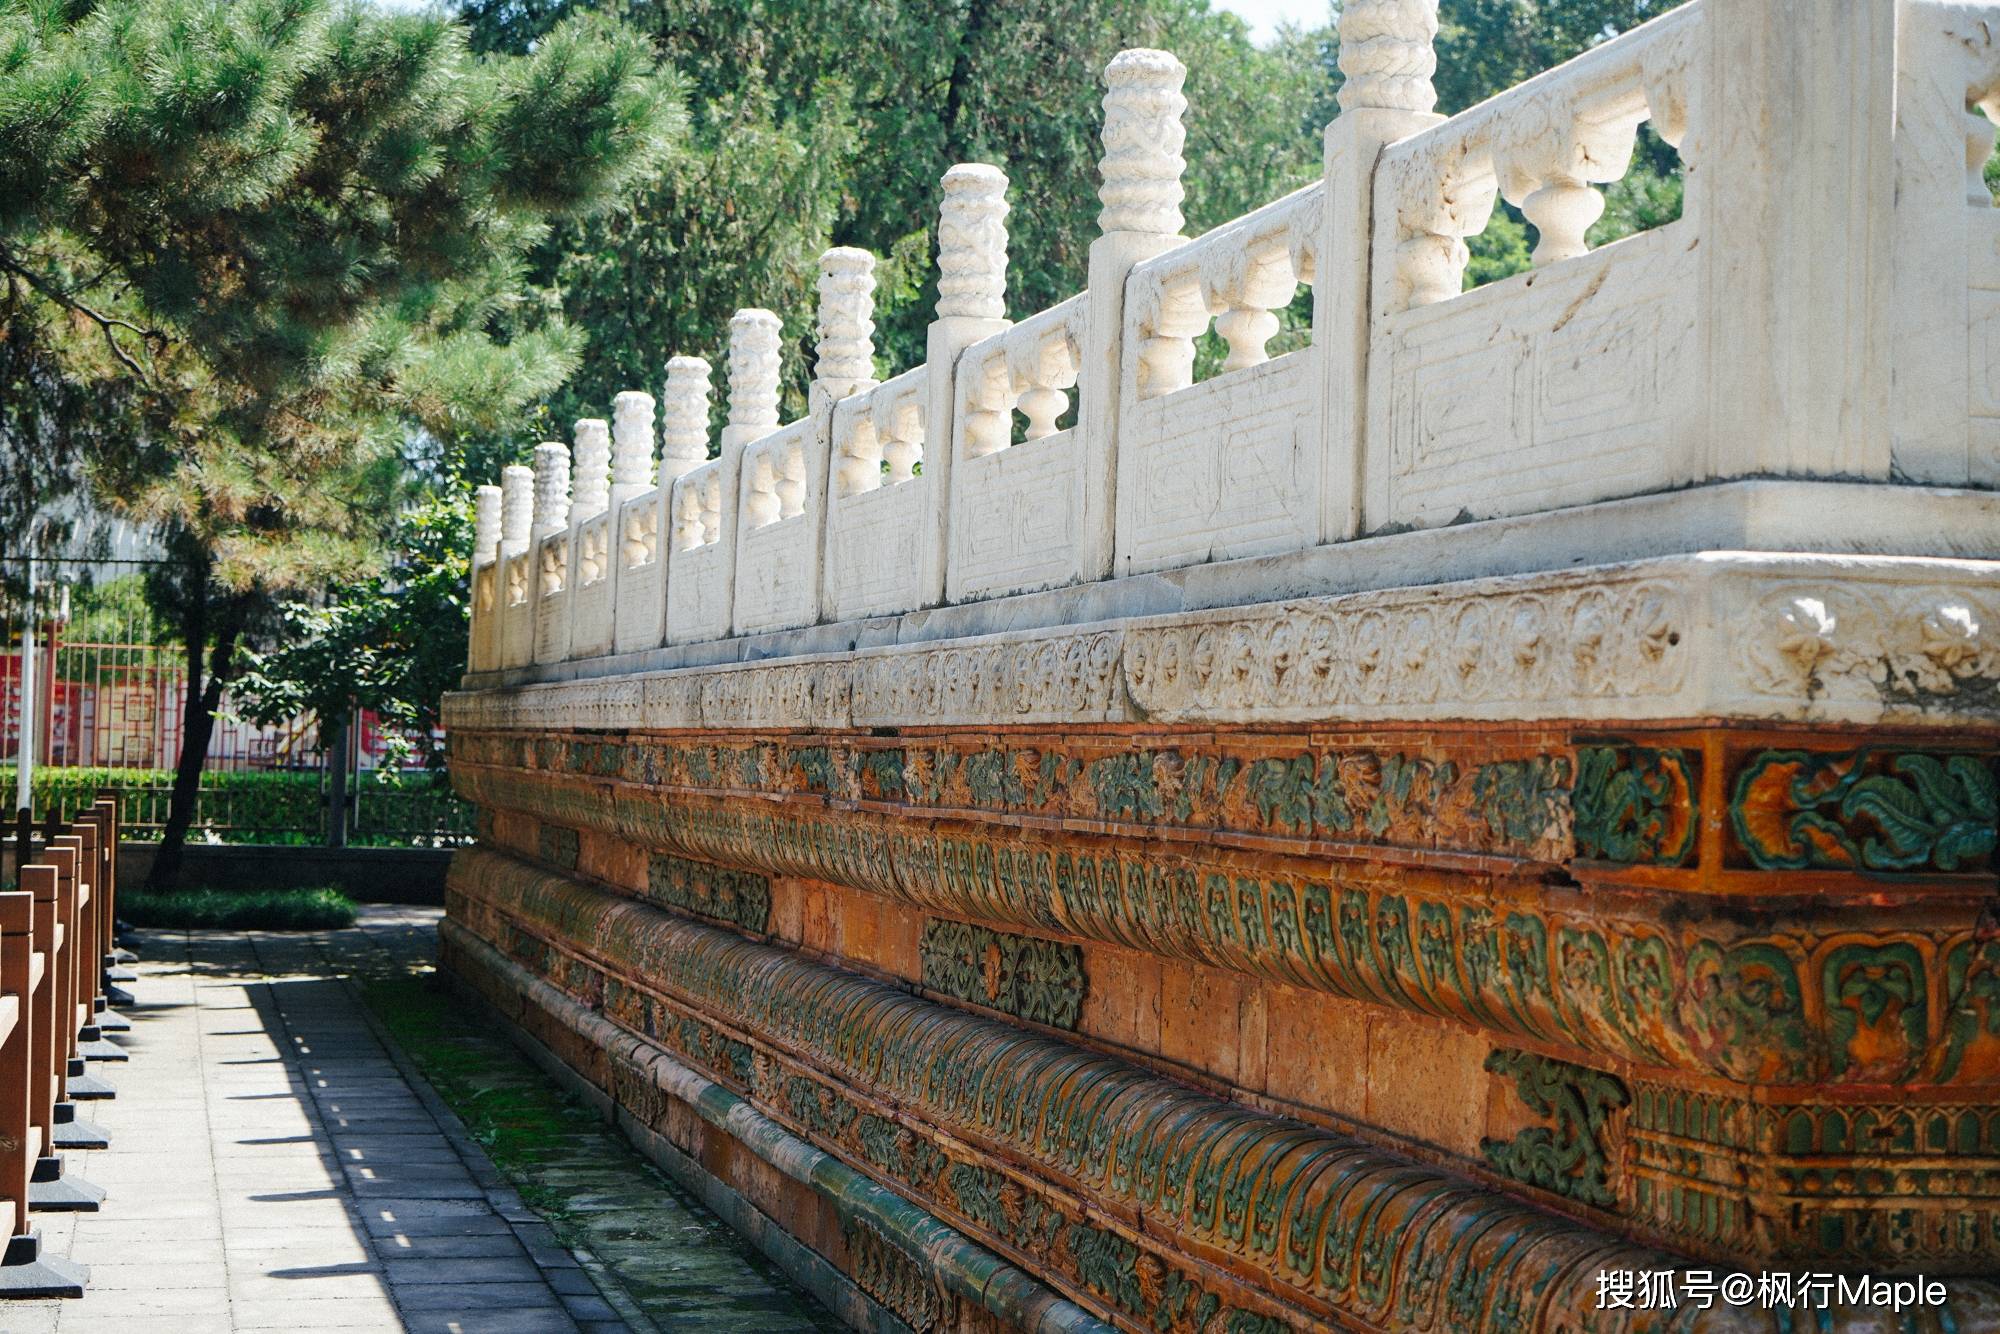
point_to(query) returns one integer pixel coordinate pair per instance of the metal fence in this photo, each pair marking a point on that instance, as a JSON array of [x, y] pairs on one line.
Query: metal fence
[[287, 808], [120, 705], [108, 705]]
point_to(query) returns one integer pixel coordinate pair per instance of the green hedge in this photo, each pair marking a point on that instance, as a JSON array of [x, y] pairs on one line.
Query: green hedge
[[264, 807], [225, 910]]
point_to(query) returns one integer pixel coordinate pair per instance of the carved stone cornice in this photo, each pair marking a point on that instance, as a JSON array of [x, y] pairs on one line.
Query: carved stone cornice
[[1721, 635]]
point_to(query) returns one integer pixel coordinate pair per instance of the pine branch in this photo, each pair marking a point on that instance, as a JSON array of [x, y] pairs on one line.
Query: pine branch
[[106, 324]]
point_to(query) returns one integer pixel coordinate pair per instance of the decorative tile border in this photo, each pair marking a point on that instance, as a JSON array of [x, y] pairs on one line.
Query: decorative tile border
[[1761, 996], [557, 846], [736, 898], [931, 1102], [1513, 798], [1572, 1157], [1041, 981]]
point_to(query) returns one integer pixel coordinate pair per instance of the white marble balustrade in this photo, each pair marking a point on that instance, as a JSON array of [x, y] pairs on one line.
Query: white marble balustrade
[[1825, 306]]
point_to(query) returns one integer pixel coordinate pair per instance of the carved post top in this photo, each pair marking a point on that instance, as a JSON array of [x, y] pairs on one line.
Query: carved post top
[[1143, 136], [684, 418], [753, 374], [631, 444], [551, 489], [591, 495], [485, 523], [846, 353], [517, 507], [1386, 57], [972, 243]]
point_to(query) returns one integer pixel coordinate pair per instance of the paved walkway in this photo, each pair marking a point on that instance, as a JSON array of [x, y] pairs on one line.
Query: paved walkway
[[272, 1168]]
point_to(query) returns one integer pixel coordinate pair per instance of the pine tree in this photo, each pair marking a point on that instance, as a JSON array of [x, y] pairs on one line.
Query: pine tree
[[251, 248]]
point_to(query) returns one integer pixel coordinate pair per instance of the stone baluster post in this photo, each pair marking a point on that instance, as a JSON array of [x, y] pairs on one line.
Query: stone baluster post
[[551, 490], [551, 558], [516, 576], [1793, 188], [485, 526], [485, 611], [684, 419], [753, 414], [753, 377], [517, 508], [1141, 194], [753, 403], [972, 304], [1386, 63], [631, 446], [846, 363], [592, 477]]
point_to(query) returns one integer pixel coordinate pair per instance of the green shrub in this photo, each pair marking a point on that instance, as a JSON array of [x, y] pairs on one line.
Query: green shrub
[[242, 910], [280, 807]]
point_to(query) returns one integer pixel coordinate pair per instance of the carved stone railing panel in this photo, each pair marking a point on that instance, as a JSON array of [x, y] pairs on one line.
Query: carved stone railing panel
[[1945, 409], [643, 529], [880, 555], [701, 564], [1544, 145], [591, 558], [778, 529], [1019, 509], [1574, 383], [1232, 466]]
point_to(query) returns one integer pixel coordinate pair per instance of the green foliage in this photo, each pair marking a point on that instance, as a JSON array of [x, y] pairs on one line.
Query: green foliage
[[251, 247], [284, 808], [394, 642], [324, 909], [1500, 251], [113, 612], [818, 124], [255, 807], [323, 203]]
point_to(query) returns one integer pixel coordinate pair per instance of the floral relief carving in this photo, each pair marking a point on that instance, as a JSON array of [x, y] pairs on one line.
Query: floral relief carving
[[1918, 646], [1866, 810], [1768, 643], [1621, 641], [1574, 1156], [1041, 981]]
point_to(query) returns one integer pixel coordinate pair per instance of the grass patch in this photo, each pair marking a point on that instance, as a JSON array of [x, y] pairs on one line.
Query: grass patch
[[253, 910]]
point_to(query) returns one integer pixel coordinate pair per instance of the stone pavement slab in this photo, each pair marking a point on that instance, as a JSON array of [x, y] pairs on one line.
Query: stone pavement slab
[[271, 1168]]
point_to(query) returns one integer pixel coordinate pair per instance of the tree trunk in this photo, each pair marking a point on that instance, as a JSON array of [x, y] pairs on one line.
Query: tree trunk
[[204, 697]]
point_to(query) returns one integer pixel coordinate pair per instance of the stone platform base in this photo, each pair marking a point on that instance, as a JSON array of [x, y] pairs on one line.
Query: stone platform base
[[943, 1191], [747, 1167]]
